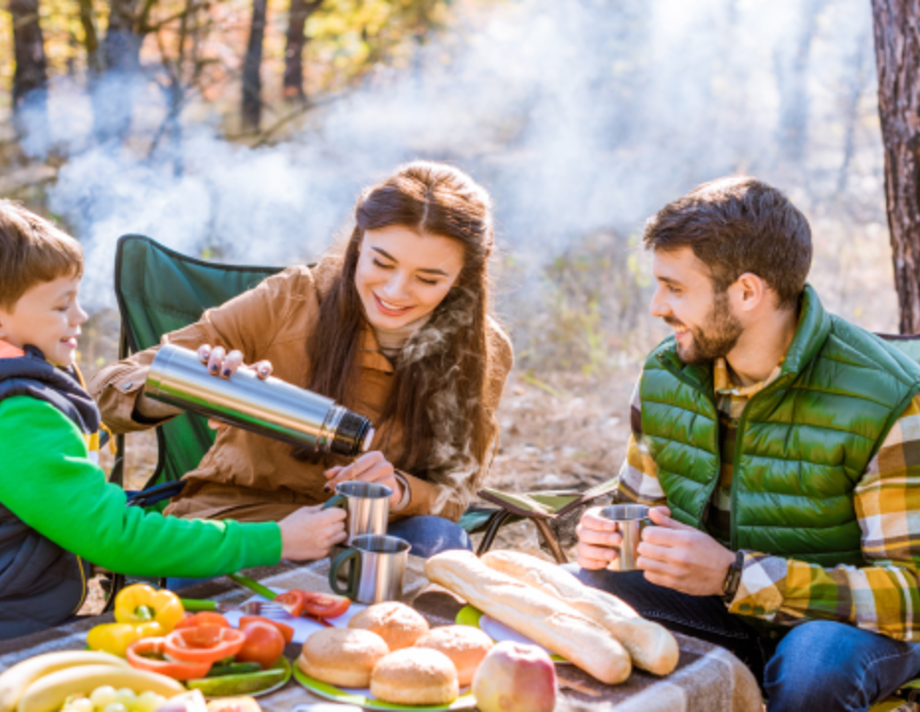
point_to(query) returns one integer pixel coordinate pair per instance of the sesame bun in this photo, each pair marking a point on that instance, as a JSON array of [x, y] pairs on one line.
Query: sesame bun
[[342, 656], [415, 676], [398, 625], [464, 645]]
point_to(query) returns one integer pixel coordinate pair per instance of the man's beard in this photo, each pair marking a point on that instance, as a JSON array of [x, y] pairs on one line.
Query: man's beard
[[715, 338]]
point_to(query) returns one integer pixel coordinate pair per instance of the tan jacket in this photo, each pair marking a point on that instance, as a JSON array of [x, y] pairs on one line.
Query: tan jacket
[[252, 478]]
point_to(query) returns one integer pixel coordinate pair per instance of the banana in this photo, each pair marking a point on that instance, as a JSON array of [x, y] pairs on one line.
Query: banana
[[15, 680], [49, 693]]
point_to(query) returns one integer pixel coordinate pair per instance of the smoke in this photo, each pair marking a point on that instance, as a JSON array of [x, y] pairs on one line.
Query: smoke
[[577, 116]]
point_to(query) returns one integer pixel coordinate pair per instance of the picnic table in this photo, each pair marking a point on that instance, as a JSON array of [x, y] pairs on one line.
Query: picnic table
[[707, 679]]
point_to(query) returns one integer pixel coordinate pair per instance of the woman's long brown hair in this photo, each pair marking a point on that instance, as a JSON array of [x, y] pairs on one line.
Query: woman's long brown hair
[[436, 400]]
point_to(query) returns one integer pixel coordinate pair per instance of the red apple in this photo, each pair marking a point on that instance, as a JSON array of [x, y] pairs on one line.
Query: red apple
[[514, 677]]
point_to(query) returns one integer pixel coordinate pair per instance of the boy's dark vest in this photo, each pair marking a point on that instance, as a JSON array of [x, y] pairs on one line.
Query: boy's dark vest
[[41, 584], [802, 444]]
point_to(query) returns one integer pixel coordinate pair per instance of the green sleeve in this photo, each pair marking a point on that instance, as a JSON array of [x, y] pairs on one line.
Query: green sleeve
[[48, 482]]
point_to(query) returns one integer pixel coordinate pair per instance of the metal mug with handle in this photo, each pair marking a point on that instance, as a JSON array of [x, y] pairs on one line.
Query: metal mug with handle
[[631, 519], [367, 504], [377, 571]]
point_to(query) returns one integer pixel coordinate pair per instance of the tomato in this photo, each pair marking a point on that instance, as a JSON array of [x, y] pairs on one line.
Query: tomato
[[264, 644], [324, 605], [285, 630], [292, 602], [204, 618]]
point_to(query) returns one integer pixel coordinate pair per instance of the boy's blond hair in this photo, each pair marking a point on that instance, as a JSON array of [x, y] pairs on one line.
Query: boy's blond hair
[[32, 251]]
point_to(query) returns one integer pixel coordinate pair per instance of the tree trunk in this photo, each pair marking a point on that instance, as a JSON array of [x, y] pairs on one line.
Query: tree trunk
[[897, 49], [252, 65], [90, 36], [296, 40], [29, 50]]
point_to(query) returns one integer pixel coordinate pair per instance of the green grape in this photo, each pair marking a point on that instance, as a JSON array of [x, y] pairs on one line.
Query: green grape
[[102, 696], [81, 705], [148, 702], [115, 707], [127, 697]]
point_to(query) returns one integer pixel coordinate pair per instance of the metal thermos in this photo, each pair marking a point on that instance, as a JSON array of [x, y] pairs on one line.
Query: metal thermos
[[269, 407]]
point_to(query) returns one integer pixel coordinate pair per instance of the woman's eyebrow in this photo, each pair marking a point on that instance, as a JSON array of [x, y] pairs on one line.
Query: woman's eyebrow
[[420, 269]]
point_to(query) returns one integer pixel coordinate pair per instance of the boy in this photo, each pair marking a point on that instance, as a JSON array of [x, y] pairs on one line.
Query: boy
[[56, 510]]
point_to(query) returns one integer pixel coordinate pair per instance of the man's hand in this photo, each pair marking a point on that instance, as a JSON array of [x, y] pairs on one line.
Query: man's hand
[[597, 539], [683, 558]]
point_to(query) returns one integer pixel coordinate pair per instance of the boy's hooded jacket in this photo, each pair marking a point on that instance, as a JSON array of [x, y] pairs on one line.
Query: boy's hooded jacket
[[41, 584]]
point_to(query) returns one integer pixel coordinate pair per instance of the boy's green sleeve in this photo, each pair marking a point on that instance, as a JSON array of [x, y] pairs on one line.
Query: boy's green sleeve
[[47, 481]]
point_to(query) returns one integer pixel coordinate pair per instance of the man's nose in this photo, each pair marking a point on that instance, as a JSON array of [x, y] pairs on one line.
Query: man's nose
[[659, 307]]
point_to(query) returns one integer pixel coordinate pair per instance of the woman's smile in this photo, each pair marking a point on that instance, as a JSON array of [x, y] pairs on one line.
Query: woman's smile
[[390, 309]]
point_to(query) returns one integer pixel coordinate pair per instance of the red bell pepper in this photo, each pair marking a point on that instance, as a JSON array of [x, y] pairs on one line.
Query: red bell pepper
[[205, 643], [196, 620], [148, 654]]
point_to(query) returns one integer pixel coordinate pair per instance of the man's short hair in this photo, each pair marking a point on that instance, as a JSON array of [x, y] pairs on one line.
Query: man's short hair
[[736, 225], [32, 251]]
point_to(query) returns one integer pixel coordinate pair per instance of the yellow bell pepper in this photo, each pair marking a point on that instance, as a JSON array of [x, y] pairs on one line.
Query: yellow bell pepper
[[115, 638], [140, 603]]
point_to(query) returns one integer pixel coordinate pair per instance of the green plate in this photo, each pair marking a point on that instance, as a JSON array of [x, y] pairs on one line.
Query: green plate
[[470, 616], [337, 694], [281, 664]]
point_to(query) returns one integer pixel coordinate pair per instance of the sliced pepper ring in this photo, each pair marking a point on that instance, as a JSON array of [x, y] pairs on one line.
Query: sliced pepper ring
[[207, 643], [141, 656]]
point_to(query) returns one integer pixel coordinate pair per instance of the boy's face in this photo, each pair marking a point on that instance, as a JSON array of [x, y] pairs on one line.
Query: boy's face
[[47, 316]]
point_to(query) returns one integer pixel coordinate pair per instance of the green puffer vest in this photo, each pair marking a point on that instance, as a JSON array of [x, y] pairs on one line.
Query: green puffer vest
[[802, 443]]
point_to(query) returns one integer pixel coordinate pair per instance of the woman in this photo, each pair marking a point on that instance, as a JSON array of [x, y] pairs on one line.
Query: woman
[[396, 329]]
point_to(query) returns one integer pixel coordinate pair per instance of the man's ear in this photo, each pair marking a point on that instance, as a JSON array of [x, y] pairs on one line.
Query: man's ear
[[751, 291]]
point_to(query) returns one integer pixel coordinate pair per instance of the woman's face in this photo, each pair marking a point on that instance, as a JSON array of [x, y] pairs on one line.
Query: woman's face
[[402, 275]]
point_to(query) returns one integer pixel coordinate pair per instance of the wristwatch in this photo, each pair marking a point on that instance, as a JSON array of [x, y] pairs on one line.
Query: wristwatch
[[732, 579]]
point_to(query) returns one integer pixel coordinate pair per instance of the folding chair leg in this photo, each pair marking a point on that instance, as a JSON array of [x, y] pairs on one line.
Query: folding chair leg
[[494, 524], [551, 541]]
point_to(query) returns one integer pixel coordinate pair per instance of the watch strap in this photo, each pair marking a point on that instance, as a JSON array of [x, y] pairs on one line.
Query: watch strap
[[732, 579]]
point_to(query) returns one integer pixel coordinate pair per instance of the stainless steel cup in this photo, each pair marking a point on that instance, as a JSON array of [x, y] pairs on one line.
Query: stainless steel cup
[[631, 519], [269, 407], [367, 504], [377, 571]]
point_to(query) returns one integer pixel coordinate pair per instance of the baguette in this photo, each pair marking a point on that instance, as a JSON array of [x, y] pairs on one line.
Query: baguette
[[537, 615], [651, 646]]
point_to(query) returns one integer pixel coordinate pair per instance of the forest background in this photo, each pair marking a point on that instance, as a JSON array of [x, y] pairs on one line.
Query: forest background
[[243, 130]]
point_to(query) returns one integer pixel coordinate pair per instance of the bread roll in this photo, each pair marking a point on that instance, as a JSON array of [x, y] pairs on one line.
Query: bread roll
[[533, 613], [398, 625], [415, 676], [651, 646], [464, 645], [342, 656]]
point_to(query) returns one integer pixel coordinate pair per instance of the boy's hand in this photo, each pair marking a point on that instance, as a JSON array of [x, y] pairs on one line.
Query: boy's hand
[[310, 532], [223, 364], [598, 539]]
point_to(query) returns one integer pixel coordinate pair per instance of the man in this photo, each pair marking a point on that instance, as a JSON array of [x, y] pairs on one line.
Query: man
[[780, 448]]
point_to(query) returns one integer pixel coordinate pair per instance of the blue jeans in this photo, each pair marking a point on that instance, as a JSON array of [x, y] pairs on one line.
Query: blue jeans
[[430, 535], [427, 535], [814, 666]]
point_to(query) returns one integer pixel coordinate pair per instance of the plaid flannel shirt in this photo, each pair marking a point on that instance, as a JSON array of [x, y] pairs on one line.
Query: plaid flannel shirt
[[883, 597]]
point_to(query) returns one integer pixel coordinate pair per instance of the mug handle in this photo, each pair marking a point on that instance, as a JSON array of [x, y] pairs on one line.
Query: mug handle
[[337, 500], [351, 590]]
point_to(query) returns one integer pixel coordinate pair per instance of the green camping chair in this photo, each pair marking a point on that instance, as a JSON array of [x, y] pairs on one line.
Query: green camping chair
[[160, 290]]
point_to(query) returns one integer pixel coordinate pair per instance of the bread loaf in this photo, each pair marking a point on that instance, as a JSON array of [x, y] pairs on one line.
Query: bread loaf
[[531, 612], [651, 646]]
